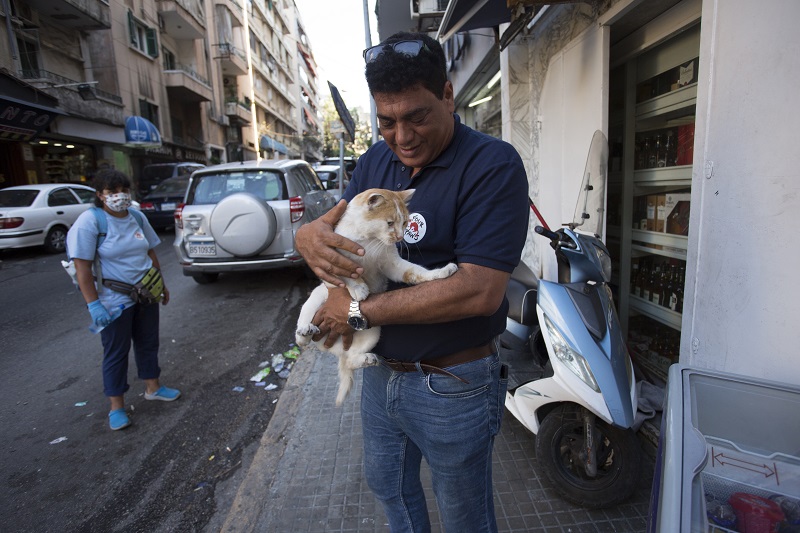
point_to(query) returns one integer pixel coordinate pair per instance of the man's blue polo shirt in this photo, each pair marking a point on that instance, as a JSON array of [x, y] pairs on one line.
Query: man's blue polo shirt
[[470, 206]]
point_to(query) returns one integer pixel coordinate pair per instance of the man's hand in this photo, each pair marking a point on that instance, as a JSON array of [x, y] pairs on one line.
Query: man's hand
[[318, 243], [331, 319]]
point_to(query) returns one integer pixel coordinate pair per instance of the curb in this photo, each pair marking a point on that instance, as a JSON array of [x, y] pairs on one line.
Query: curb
[[251, 497]]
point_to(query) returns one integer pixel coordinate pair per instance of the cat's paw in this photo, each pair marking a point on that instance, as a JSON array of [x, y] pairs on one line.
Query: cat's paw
[[304, 333], [446, 271], [359, 291], [369, 359]]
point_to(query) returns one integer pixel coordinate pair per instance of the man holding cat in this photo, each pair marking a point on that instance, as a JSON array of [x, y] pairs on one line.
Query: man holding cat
[[439, 389]]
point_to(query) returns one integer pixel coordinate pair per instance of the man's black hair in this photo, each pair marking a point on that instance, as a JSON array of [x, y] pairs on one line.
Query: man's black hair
[[393, 72], [109, 179]]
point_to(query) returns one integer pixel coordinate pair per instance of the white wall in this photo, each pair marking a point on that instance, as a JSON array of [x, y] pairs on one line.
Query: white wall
[[742, 306], [572, 107]]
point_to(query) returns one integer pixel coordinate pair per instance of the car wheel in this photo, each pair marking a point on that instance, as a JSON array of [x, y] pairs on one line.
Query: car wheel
[[56, 240], [243, 225], [206, 277]]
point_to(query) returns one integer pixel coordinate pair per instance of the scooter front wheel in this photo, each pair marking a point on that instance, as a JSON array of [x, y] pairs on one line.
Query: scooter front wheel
[[560, 449]]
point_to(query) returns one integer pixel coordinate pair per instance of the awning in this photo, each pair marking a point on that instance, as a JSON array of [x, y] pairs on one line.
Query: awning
[[309, 118], [268, 143], [141, 133], [463, 15], [21, 120]]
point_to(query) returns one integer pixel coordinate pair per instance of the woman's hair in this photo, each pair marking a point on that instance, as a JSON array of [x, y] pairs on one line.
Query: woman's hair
[[109, 179], [393, 72]]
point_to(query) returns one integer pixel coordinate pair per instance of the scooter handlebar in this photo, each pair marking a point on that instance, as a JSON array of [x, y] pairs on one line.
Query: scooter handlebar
[[552, 235]]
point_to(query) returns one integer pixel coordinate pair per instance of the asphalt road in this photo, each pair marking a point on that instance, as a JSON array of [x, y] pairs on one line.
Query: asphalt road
[[177, 468]]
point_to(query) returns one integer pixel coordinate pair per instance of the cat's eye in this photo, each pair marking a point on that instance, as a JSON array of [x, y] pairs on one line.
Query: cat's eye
[[391, 223]]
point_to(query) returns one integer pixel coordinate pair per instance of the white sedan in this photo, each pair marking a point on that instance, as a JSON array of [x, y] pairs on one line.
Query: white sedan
[[36, 215]]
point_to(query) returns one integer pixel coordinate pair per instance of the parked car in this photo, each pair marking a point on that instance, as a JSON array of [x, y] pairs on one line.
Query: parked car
[[159, 206], [329, 176], [243, 216], [154, 174], [349, 163], [41, 215]]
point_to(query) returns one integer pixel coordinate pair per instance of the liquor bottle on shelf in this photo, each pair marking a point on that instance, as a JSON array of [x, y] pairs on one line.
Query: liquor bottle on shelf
[[666, 294], [652, 156], [652, 287], [641, 286], [671, 149], [634, 277], [679, 289], [661, 152], [645, 153]]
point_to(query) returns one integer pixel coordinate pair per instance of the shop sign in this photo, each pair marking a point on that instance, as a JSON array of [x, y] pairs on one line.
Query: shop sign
[[21, 122], [193, 155], [163, 150]]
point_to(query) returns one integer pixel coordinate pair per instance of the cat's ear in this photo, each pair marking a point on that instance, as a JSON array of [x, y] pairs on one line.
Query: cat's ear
[[406, 195], [375, 199]]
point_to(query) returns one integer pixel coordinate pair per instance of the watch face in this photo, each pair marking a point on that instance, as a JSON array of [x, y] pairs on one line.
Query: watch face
[[357, 323]]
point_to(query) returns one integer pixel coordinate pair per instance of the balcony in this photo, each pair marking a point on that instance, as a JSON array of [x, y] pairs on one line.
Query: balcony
[[68, 14], [184, 84], [77, 98], [238, 112], [237, 14], [232, 60], [184, 20]]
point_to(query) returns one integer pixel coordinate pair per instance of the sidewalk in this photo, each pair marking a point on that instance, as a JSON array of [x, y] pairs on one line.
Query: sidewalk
[[307, 474]]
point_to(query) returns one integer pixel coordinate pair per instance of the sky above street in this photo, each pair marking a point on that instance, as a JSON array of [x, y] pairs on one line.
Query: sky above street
[[336, 32]]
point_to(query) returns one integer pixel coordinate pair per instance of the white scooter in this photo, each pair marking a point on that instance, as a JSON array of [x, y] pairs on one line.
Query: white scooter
[[571, 381]]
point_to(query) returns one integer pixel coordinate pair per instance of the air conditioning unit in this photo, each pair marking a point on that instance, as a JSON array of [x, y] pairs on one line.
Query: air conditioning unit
[[432, 7], [224, 120]]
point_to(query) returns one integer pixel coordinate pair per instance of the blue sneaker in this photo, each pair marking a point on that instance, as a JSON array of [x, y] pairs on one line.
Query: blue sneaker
[[165, 394], [118, 419]]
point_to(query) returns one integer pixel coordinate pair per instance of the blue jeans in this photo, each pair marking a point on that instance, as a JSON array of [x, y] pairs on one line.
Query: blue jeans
[[139, 325], [410, 415]]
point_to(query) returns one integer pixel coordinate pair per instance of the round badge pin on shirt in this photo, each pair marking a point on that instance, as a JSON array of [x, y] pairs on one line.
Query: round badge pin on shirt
[[416, 228]]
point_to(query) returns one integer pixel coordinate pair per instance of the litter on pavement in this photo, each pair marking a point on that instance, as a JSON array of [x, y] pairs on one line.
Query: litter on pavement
[[280, 363]]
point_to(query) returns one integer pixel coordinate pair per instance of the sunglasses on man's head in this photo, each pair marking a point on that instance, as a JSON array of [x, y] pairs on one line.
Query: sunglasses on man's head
[[409, 48]]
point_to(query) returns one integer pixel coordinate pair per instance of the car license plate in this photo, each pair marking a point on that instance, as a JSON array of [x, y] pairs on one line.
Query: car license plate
[[169, 206], [202, 249]]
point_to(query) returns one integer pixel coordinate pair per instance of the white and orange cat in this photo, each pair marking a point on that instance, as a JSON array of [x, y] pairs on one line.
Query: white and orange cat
[[376, 219]]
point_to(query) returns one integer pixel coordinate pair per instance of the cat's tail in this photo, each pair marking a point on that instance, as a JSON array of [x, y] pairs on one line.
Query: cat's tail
[[345, 381]]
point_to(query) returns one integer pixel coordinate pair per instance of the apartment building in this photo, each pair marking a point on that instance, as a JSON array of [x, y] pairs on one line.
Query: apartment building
[[127, 83]]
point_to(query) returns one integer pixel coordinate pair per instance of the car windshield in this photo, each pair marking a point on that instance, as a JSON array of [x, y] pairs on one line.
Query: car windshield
[[211, 188], [17, 197], [172, 186]]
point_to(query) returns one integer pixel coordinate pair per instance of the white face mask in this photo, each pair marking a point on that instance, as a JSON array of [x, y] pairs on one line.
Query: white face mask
[[118, 202]]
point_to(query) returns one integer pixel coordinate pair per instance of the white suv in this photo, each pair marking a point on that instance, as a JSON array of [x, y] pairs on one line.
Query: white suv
[[243, 216]]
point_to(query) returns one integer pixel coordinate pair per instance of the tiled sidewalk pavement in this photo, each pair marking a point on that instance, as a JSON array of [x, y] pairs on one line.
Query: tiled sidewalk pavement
[[318, 484]]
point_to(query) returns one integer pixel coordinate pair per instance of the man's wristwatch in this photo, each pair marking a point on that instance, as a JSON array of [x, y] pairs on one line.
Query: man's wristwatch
[[355, 319]]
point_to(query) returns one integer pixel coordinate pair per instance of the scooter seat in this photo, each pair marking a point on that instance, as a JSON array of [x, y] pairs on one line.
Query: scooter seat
[[521, 294]]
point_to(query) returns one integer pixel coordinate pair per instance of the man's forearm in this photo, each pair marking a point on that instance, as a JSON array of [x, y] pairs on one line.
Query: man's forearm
[[472, 291]]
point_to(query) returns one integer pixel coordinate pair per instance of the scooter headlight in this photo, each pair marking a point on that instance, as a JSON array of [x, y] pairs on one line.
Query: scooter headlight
[[572, 359]]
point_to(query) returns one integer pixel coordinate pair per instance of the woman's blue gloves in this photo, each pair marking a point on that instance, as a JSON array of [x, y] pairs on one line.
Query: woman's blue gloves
[[99, 313]]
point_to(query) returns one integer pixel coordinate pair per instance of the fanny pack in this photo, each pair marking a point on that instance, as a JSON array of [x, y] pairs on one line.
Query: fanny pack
[[148, 290]]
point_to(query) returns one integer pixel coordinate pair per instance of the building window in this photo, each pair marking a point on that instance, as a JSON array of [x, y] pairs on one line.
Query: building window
[[142, 37], [170, 63], [150, 112], [28, 58]]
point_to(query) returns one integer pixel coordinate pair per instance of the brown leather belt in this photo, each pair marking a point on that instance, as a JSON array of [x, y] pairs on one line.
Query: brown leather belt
[[438, 365]]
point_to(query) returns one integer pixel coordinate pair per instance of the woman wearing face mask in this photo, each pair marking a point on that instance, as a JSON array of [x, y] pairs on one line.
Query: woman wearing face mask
[[126, 254]]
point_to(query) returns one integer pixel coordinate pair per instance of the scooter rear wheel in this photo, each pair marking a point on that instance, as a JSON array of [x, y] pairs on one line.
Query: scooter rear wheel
[[559, 444]]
